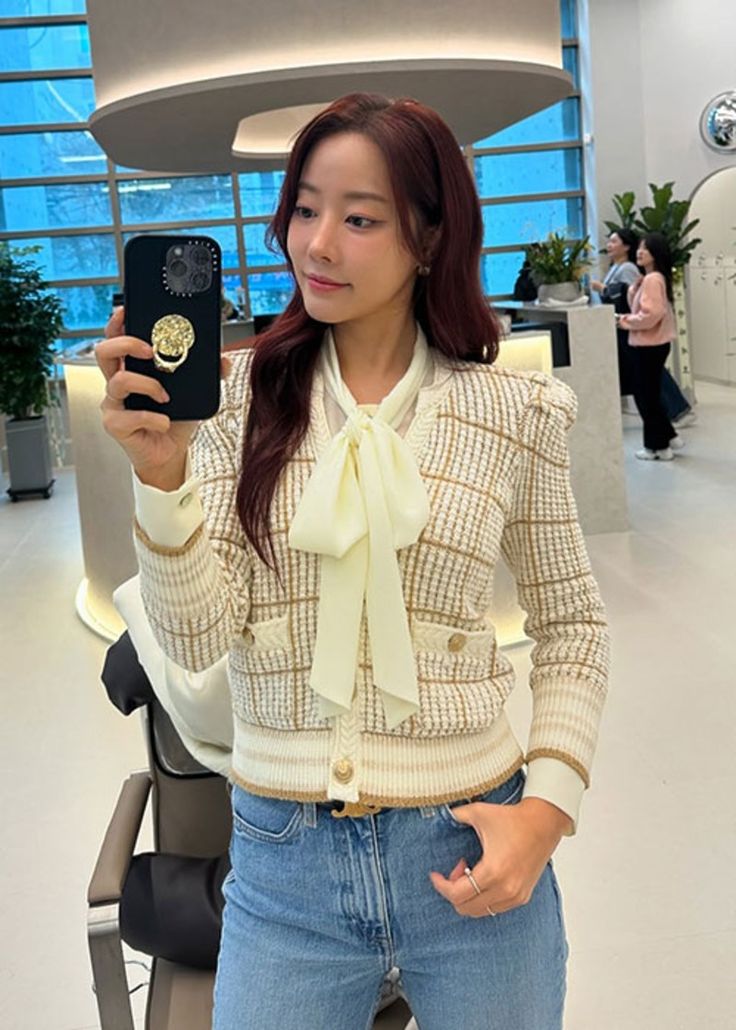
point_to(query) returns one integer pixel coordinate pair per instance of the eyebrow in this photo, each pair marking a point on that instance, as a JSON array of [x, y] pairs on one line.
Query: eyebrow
[[351, 195]]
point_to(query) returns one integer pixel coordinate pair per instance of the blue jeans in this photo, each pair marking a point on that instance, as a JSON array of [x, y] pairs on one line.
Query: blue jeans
[[319, 909]]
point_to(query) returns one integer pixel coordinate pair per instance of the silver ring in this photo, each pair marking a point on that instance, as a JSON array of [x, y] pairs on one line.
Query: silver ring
[[470, 876], [490, 911]]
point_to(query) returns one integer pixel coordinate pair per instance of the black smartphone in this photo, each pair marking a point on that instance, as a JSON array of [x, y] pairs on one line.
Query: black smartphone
[[172, 297]]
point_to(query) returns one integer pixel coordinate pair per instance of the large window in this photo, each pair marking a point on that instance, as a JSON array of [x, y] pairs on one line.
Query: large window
[[530, 177], [60, 193]]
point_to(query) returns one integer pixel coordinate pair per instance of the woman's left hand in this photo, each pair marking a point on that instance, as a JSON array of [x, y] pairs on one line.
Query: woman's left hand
[[517, 841]]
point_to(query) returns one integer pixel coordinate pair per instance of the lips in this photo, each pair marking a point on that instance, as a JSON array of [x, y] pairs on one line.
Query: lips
[[320, 282]]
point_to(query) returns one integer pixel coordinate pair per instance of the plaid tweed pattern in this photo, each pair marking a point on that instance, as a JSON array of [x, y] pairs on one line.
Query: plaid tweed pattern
[[491, 447]]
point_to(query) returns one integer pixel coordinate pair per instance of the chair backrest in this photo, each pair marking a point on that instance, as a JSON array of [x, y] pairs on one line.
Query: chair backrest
[[191, 805]]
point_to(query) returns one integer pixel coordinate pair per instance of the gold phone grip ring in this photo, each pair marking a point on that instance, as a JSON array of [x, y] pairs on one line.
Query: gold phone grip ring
[[172, 337]]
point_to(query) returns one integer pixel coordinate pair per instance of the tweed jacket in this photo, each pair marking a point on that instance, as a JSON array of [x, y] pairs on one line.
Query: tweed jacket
[[491, 447]]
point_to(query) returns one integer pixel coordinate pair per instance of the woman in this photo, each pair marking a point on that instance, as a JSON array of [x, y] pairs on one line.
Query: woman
[[338, 538], [621, 248], [651, 327]]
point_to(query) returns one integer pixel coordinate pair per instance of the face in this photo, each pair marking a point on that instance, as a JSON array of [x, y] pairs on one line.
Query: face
[[615, 246], [643, 257], [344, 239]]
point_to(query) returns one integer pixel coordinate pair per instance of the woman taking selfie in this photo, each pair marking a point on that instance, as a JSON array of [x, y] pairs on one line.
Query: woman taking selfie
[[651, 328], [337, 535]]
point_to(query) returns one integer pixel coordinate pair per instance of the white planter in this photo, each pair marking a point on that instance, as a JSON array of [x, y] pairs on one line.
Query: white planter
[[562, 293]]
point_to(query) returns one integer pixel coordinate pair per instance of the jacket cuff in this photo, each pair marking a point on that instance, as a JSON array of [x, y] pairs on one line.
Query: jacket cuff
[[168, 518], [553, 780]]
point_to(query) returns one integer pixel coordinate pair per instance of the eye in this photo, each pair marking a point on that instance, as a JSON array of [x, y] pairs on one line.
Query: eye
[[302, 211], [366, 223]]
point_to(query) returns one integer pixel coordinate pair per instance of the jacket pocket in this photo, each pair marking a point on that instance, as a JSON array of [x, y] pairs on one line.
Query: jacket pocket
[[271, 635], [463, 681]]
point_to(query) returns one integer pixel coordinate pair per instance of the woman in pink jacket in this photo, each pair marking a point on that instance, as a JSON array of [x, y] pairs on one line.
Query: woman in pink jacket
[[651, 326]]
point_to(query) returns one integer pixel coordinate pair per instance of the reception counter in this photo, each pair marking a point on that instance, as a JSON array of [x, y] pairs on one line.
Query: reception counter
[[596, 439]]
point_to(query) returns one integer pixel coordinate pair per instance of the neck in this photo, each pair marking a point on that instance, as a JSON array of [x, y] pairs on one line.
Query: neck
[[374, 355], [620, 260]]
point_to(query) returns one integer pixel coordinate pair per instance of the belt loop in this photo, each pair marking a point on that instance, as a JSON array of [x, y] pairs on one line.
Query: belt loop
[[428, 811], [310, 814]]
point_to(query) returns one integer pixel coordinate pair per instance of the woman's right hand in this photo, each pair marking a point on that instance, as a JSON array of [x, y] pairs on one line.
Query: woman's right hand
[[156, 446], [596, 284]]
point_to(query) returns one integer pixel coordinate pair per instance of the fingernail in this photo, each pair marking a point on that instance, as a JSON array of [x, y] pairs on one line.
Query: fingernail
[[164, 396]]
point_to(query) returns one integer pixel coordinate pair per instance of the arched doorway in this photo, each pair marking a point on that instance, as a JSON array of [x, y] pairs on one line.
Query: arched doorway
[[712, 279]]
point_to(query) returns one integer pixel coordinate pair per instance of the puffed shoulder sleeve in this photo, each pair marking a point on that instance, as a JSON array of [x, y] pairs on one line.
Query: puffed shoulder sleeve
[[544, 547], [197, 594]]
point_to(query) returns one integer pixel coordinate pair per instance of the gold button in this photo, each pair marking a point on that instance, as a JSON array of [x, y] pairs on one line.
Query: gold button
[[248, 636], [343, 770], [457, 642]]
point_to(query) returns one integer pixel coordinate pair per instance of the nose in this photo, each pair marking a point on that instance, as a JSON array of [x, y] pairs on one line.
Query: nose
[[323, 240]]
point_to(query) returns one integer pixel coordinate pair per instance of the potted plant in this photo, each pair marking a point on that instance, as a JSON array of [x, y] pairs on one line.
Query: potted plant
[[557, 266], [30, 321], [663, 215], [670, 217]]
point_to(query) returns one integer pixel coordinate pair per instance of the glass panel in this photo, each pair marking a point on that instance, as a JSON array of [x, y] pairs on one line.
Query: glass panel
[[232, 288], [224, 234], [256, 251], [570, 63], [54, 207], [46, 100], [25, 8], [30, 155], [173, 200], [545, 171], [259, 192], [86, 307], [498, 272], [568, 18], [35, 48], [555, 124], [74, 257], [505, 224], [270, 292]]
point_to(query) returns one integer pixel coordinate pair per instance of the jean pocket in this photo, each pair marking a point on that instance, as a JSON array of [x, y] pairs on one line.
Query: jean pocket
[[269, 820], [506, 793]]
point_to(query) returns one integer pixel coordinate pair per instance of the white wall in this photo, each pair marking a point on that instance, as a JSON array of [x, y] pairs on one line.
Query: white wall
[[654, 64]]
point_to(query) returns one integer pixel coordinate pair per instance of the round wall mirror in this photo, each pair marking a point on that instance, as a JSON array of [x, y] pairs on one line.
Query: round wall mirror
[[718, 122]]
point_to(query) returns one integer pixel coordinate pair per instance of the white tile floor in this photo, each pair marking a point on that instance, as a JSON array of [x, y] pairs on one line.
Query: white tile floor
[[649, 881]]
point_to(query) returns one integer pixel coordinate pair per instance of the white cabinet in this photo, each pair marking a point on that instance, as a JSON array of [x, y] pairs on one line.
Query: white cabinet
[[711, 327]]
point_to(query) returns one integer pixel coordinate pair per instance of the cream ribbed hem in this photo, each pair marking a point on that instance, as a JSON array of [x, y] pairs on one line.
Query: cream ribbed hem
[[388, 770], [168, 517], [557, 782]]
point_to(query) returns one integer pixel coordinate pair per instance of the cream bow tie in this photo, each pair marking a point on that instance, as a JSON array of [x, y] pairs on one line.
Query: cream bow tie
[[364, 500]]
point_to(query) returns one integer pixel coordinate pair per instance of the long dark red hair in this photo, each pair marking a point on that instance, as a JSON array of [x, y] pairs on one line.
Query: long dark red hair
[[432, 188]]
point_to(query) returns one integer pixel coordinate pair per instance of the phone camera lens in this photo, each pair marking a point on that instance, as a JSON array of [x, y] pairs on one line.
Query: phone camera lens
[[199, 280], [178, 268], [201, 256]]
